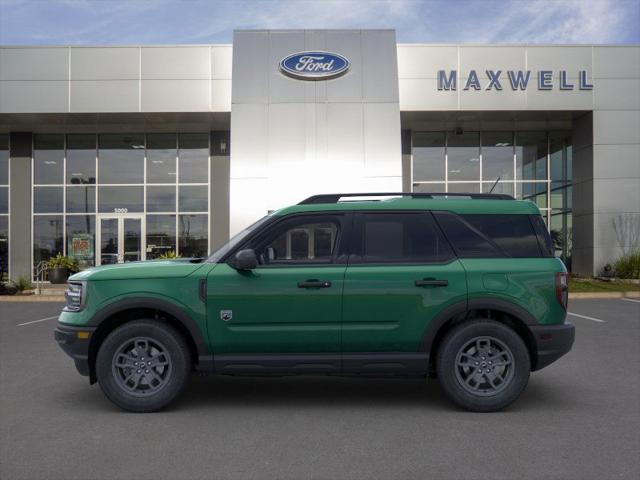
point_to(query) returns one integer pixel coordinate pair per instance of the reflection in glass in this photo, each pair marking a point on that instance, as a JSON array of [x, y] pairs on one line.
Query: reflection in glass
[[161, 158], [463, 187], [193, 235], [81, 159], [108, 241], [112, 198], [161, 199], [535, 192], [559, 155], [429, 187], [161, 235], [4, 247], [193, 198], [81, 239], [4, 199], [48, 159], [47, 199], [531, 155], [4, 159], [132, 240], [497, 156], [121, 158], [193, 157], [81, 199], [428, 156], [463, 156], [47, 237], [505, 188]]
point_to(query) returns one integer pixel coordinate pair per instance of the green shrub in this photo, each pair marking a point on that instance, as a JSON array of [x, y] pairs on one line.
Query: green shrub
[[628, 266], [60, 261], [168, 255], [23, 283]]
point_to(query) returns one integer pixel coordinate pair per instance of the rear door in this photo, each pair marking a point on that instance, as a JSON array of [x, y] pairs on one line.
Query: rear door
[[401, 275]]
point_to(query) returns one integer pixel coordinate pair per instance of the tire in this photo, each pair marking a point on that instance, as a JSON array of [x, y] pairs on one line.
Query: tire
[[166, 358], [494, 350]]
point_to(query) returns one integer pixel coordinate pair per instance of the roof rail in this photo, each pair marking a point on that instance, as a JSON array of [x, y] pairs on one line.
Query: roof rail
[[335, 197]]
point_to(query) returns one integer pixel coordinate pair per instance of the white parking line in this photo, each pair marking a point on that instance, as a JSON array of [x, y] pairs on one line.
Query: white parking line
[[36, 321], [630, 300], [585, 317]]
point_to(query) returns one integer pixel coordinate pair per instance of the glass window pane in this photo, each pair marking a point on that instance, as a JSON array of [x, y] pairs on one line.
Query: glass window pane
[[505, 188], [81, 159], [4, 247], [132, 241], [48, 159], [428, 156], [47, 199], [463, 155], [81, 199], [161, 158], [531, 155], [558, 195], [81, 239], [429, 187], [121, 159], [47, 237], [514, 234], [193, 235], [112, 198], [161, 199], [497, 156], [535, 192], [194, 158], [463, 187], [558, 155], [4, 199], [4, 159], [161, 235], [194, 198], [467, 242]]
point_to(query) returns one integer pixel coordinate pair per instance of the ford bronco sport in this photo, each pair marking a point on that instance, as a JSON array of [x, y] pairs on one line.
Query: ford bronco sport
[[464, 288]]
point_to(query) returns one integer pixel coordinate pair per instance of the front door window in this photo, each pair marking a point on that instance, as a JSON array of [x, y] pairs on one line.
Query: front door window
[[120, 239]]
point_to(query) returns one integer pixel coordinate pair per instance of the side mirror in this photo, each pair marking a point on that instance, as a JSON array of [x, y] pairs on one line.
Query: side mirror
[[245, 260]]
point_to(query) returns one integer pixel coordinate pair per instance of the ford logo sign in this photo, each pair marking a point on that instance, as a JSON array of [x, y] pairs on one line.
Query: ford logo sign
[[314, 65]]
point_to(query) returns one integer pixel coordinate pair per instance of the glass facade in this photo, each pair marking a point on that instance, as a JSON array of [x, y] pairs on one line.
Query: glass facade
[[119, 197], [534, 166], [4, 206]]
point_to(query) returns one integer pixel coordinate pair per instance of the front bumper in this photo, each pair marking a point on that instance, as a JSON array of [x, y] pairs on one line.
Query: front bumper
[[75, 343], [552, 342]]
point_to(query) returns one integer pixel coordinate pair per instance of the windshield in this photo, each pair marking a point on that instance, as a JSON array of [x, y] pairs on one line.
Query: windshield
[[236, 240]]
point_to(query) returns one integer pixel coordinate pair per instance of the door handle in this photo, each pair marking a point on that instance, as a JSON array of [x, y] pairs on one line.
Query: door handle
[[431, 282], [314, 284]]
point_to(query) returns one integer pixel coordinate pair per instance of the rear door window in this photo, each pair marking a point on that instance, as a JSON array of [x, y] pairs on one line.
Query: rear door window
[[401, 238]]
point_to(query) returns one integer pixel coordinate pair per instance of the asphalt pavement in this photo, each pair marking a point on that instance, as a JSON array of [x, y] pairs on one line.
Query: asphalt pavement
[[578, 419]]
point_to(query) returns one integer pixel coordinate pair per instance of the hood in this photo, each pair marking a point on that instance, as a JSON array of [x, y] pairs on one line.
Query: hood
[[140, 270]]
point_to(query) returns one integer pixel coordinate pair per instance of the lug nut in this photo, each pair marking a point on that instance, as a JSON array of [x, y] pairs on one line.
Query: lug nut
[[139, 371], [146, 371], [135, 363]]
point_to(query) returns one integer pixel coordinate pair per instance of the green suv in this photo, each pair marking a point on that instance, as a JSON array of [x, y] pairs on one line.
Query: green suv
[[464, 288]]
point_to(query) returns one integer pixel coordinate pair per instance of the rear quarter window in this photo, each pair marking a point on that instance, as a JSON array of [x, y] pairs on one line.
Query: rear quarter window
[[490, 235]]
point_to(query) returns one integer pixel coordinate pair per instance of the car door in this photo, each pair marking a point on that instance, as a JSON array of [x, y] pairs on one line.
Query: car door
[[286, 313], [401, 274]]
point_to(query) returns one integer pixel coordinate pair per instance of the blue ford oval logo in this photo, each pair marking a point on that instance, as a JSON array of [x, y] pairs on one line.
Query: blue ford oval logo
[[314, 65]]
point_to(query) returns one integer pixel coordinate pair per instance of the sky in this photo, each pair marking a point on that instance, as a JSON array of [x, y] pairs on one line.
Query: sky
[[121, 22]]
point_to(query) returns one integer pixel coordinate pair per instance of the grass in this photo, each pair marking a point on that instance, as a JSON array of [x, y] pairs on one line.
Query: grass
[[592, 285]]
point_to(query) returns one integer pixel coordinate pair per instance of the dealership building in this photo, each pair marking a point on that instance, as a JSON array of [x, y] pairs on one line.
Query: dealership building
[[121, 153]]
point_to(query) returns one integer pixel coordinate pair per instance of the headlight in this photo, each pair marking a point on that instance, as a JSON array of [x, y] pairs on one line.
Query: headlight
[[74, 295]]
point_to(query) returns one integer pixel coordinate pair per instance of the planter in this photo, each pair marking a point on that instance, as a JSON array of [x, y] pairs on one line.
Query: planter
[[58, 275]]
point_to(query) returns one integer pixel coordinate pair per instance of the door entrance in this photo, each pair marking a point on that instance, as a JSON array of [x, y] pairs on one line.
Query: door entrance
[[121, 239]]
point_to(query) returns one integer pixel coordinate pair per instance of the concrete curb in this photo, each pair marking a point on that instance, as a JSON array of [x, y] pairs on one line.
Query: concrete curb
[[584, 295], [31, 298]]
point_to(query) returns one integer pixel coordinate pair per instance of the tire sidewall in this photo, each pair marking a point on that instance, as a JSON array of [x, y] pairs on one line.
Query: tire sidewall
[[176, 349], [460, 336]]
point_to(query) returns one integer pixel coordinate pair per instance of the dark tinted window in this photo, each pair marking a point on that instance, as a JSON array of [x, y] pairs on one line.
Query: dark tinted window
[[402, 237], [544, 239], [467, 240], [514, 234]]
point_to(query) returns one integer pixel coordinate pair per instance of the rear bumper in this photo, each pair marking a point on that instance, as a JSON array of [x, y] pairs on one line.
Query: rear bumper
[[552, 342], [74, 346]]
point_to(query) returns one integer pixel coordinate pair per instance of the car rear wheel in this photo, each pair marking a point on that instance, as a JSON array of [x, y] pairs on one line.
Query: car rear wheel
[[143, 365], [483, 365]]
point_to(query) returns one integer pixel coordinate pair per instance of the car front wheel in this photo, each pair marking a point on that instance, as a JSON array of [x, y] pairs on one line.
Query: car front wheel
[[143, 365], [483, 365]]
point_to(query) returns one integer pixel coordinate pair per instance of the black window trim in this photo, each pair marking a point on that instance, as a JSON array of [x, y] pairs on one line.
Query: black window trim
[[339, 257], [355, 259]]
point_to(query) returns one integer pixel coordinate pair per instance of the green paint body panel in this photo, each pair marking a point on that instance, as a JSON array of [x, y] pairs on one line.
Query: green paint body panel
[[384, 311]]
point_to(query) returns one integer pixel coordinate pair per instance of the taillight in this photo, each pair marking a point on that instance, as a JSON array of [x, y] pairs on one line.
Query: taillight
[[562, 289]]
